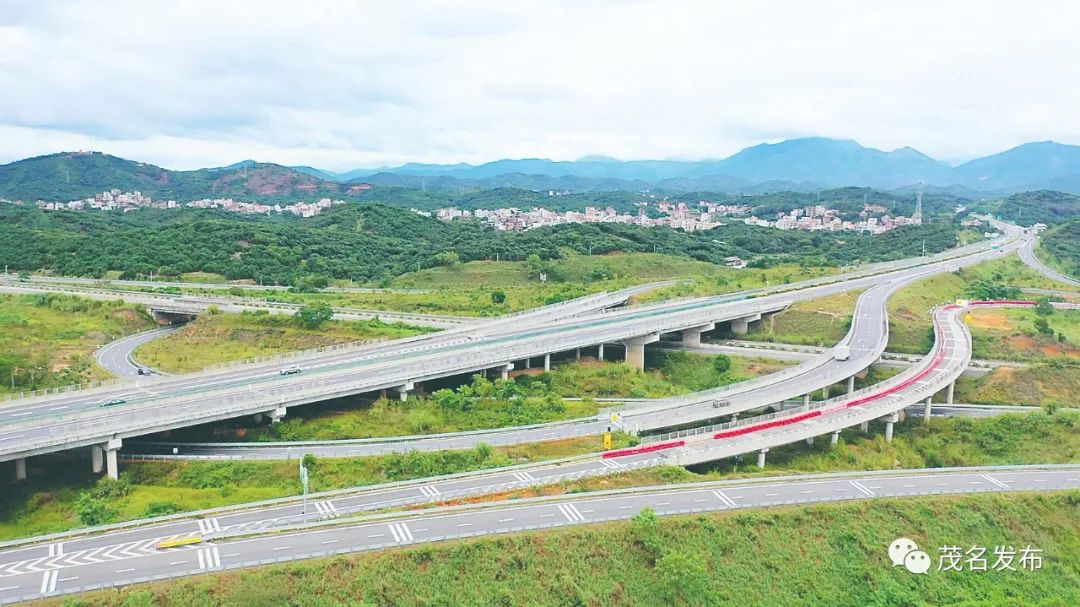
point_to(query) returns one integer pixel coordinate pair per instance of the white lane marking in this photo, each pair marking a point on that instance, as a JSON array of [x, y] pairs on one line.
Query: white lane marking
[[805, 491], [863, 488], [625, 507], [525, 477], [209, 558], [208, 525], [610, 464], [571, 512], [58, 408], [325, 508], [727, 501], [48, 581], [377, 535], [401, 532], [125, 570], [907, 486], [56, 549], [3, 588], [280, 548], [998, 483], [429, 491], [505, 520], [177, 562], [328, 542], [546, 515], [464, 524]]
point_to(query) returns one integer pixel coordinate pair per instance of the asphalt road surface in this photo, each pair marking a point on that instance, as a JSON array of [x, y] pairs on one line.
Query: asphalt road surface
[[66, 568], [116, 356]]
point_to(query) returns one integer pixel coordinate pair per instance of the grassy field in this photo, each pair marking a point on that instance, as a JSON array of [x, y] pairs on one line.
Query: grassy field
[[817, 322], [218, 338], [833, 554], [909, 309], [47, 503], [48, 340], [1010, 334], [527, 399], [1036, 385]]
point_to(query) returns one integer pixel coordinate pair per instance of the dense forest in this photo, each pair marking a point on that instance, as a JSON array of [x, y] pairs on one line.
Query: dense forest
[[373, 242], [1044, 206], [1063, 242]]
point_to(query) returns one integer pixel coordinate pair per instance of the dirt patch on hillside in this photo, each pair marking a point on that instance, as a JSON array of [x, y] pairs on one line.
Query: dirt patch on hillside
[[1021, 342], [990, 319]]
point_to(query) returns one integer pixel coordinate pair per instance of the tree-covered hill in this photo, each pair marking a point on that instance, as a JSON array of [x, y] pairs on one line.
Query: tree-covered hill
[[1063, 243], [75, 175], [366, 242], [1043, 206]]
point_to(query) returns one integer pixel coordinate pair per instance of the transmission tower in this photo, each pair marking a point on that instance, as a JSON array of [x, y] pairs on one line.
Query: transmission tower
[[918, 206]]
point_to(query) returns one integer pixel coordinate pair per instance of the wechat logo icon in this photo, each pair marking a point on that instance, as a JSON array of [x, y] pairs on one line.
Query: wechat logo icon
[[904, 551]]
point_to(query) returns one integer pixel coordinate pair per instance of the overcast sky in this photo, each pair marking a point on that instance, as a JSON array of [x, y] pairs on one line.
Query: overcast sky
[[341, 85]]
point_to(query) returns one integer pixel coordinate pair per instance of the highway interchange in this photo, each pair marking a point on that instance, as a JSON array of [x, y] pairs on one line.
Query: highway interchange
[[75, 562]]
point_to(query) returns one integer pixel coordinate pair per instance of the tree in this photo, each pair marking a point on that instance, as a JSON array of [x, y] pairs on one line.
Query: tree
[[312, 316], [310, 283], [1043, 307], [448, 258], [722, 364], [1043, 327], [93, 510], [683, 576], [498, 297]]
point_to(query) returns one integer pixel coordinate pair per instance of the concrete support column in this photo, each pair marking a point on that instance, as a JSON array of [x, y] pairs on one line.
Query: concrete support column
[[734, 417], [257, 418], [810, 441], [825, 393], [504, 371], [111, 466], [635, 350], [864, 427], [835, 438], [691, 337], [600, 352], [761, 458], [97, 459], [926, 409], [403, 390], [20, 469], [742, 325], [889, 421], [950, 393], [277, 414], [806, 400], [851, 385], [547, 362], [577, 353]]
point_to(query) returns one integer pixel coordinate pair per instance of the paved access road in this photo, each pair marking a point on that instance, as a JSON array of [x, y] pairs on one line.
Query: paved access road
[[1027, 253], [116, 356], [67, 570]]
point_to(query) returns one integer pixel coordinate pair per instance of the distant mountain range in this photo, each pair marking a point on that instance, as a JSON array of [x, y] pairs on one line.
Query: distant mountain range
[[798, 164], [802, 165]]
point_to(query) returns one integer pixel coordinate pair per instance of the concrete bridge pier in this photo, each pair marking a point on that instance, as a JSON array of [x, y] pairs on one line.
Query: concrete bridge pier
[[547, 362], [889, 421], [926, 408], [20, 469], [635, 350], [600, 352], [504, 371], [403, 390], [835, 438], [691, 337], [742, 325], [106, 452], [825, 393], [851, 385], [864, 427], [809, 441], [577, 353], [806, 400], [277, 414], [949, 393], [761, 457]]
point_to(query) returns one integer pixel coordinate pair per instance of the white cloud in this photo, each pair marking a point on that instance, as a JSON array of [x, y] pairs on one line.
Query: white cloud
[[344, 84]]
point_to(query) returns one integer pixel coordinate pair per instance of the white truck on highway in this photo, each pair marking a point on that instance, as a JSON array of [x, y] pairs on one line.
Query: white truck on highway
[[841, 353]]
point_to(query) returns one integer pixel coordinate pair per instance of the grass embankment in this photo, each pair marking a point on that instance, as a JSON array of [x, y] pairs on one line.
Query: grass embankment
[[818, 322], [48, 339], [62, 494], [830, 554], [217, 338], [910, 325], [1012, 334], [526, 399]]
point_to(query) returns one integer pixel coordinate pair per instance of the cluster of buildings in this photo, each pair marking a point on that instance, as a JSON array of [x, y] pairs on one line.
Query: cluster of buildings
[[701, 216], [115, 200], [872, 218]]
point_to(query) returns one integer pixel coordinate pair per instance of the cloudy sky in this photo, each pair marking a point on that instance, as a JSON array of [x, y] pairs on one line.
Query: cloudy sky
[[341, 85]]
